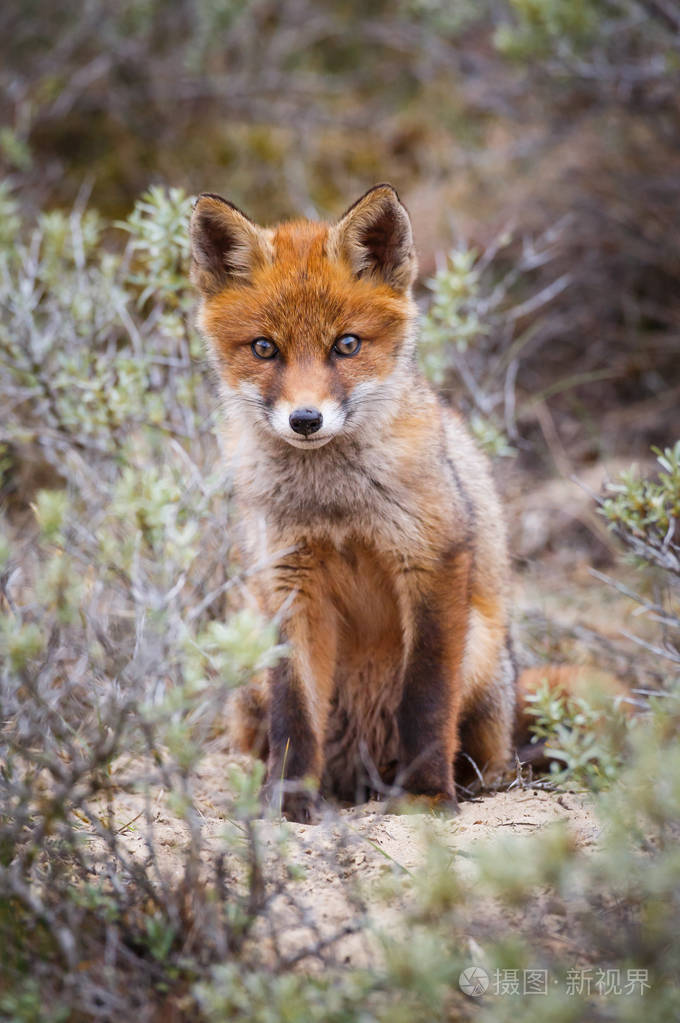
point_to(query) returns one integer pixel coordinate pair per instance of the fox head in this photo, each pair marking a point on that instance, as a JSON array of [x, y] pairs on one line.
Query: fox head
[[310, 325]]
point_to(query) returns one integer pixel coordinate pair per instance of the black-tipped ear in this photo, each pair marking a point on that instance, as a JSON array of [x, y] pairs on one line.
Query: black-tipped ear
[[375, 237], [225, 245]]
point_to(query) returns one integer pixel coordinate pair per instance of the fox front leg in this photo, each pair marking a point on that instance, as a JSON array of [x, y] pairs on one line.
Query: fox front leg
[[300, 690], [430, 705], [295, 755]]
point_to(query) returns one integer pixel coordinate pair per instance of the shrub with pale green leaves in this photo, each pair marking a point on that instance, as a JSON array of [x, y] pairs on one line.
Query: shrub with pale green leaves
[[95, 342], [586, 738], [470, 345], [647, 508]]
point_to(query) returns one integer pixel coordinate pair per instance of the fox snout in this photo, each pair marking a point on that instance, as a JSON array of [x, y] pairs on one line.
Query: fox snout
[[306, 420]]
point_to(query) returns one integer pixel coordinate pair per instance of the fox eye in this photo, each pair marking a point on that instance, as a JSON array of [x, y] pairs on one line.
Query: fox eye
[[264, 348], [348, 344]]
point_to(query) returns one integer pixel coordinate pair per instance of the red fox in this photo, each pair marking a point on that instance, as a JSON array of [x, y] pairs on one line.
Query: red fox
[[370, 512]]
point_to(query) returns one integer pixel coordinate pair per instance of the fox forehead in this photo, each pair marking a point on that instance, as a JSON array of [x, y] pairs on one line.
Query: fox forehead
[[304, 298]]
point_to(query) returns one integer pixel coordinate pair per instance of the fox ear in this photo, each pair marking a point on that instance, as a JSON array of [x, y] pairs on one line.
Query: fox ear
[[225, 245], [375, 237]]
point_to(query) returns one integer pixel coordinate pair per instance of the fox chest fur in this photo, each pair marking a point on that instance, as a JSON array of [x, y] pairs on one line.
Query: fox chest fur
[[370, 525]]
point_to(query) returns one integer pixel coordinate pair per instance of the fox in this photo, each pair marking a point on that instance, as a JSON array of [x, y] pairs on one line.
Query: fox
[[370, 527]]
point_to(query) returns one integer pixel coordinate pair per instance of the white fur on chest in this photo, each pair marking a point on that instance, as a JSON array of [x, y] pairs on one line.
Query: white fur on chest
[[334, 493]]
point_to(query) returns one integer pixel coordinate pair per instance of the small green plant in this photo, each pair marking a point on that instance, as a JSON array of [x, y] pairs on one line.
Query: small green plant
[[470, 346], [97, 342], [588, 736], [644, 514], [455, 332], [159, 243], [453, 317], [647, 508]]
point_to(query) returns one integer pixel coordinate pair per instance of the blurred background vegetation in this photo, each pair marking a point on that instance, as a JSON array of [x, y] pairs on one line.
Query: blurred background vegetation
[[536, 144]]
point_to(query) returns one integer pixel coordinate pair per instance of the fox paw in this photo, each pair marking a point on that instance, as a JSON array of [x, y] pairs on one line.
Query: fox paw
[[298, 807], [443, 804]]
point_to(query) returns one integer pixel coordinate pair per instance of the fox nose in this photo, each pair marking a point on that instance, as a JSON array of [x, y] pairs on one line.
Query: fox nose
[[305, 420]]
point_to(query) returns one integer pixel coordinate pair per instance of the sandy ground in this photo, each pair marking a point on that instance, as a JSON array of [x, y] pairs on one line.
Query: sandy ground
[[397, 836], [338, 864]]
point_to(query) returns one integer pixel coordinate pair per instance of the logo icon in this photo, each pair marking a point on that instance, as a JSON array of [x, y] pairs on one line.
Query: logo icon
[[474, 981]]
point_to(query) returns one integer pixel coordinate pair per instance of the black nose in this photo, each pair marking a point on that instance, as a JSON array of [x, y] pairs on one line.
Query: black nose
[[305, 420]]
